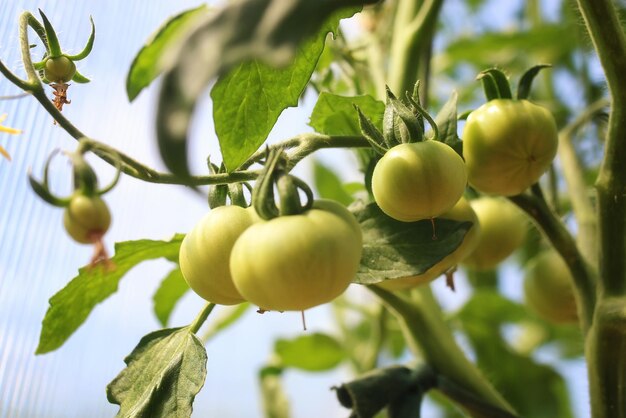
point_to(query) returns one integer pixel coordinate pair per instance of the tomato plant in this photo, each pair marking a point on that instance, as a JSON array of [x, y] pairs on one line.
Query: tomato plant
[[205, 251], [299, 261], [507, 145], [548, 288], [418, 181], [391, 91]]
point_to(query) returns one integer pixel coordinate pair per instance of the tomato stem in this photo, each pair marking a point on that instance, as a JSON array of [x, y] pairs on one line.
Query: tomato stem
[[201, 318]]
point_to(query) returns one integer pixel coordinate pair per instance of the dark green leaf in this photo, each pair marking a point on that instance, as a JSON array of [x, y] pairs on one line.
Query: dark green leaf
[[329, 185], [146, 66], [163, 375], [269, 30], [172, 288], [335, 115], [312, 352], [248, 100], [71, 306], [394, 249]]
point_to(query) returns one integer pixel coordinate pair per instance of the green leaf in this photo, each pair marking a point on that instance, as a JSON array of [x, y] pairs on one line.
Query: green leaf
[[446, 120], [514, 374], [172, 288], [163, 375], [146, 65], [269, 30], [394, 249], [248, 100], [335, 115], [312, 352], [329, 185], [71, 306]]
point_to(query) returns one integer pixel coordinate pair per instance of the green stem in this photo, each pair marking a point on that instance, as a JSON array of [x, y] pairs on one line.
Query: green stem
[[427, 333], [605, 345], [202, 316], [584, 212], [413, 31], [560, 238]]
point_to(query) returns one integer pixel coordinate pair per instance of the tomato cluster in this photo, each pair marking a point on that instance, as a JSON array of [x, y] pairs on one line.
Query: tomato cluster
[[286, 263]]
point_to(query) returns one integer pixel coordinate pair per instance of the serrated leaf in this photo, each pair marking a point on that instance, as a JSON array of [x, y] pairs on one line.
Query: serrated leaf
[[71, 306], [394, 249], [328, 184], [446, 121], [269, 30], [335, 115], [146, 67], [163, 375], [248, 100], [172, 288], [312, 352]]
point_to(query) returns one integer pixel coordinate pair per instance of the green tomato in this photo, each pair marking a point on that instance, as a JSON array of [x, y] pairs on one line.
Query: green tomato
[[86, 218], [205, 251], [59, 69], [508, 145], [462, 211], [418, 180], [292, 263], [548, 288], [502, 230]]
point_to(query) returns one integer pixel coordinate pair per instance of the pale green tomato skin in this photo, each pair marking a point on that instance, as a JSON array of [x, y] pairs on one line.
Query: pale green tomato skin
[[59, 69], [86, 218], [292, 263], [503, 229], [548, 288], [508, 145], [205, 252], [418, 181], [462, 211]]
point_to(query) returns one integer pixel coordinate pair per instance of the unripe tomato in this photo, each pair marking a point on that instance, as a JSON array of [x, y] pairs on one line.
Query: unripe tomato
[[462, 211], [205, 251], [59, 69], [502, 230], [508, 145], [292, 263], [86, 218], [418, 180], [548, 288]]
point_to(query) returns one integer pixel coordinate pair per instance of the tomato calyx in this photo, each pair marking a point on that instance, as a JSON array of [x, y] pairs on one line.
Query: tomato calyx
[[275, 174]]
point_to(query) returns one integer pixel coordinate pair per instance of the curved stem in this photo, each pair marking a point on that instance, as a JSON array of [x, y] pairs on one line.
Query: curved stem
[[427, 334], [202, 316], [558, 235]]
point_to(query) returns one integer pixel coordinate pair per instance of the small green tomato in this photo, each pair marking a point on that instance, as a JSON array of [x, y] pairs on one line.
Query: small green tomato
[[59, 69], [548, 288], [205, 253], [418, 180], [86, 218], [508, 145], [502, 230]]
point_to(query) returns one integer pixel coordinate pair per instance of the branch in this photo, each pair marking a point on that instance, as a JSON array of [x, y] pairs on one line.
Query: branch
[[561, 239], [578, 192]]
